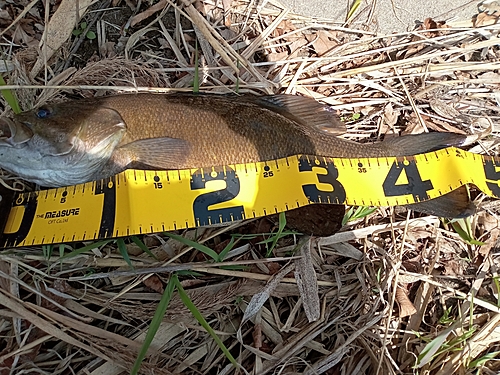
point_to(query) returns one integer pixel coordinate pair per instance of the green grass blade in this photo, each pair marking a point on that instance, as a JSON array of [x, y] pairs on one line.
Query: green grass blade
[[353, 10], [227, 249], [47, 251], [277, 236], [464, 230], [85, 249], [354, 213], [142, 246], [123, 251], [482, 360], [205, 250], [199, 317], [9, 97], [155, 323], [497, 286]]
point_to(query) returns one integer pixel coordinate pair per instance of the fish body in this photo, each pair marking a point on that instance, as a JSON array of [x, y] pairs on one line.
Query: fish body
[[80, 141]]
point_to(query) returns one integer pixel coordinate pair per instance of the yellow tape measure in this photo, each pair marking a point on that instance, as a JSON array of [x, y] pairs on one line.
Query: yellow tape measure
[[139, 202]]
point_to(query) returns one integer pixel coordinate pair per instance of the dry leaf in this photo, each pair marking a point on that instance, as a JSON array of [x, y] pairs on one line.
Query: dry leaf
[[59, 29], [284, 27], [445, 110], [390, 116], [21, 36], [430, 24], [154, 282], [490, 7], [226, 5], [321, 42], [148, 12], [307, 282], [406, 307], [276, 56], [484, 19]]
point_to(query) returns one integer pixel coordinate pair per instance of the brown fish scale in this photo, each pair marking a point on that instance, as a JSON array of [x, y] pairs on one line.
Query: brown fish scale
[[224, 130]]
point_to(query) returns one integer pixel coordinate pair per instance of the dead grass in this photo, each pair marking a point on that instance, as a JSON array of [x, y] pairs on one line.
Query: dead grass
[[377, 294]]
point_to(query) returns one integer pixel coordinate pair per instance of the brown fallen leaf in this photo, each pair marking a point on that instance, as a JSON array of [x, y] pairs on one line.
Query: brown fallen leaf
[[322, 41], [433, 26], [226, 5], [307, 282], [390, 115], [414, 126], [148, 12], [484, 19], [406, 307], [276, 56], [284, 27], [59, 29], [154, 282], [445, 110]]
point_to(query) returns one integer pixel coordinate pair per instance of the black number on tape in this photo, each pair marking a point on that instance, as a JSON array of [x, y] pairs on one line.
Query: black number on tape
[[108, 188], [320, 196], [202, 203], [30, 203], [415, 185], [492, 174]]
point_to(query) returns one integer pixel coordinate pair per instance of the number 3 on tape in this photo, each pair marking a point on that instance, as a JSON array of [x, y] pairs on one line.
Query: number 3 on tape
[[311, 191], [395, 184]]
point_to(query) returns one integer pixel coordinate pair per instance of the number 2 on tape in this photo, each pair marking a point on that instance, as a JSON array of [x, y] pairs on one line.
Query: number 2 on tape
[[414, 184], [492, 174], [202, 203]]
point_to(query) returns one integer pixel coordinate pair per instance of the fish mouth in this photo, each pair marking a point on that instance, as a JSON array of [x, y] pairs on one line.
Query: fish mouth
[[13, 133]]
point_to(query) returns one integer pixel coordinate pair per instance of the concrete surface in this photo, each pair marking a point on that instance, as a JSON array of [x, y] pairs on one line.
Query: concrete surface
[[389, 15]]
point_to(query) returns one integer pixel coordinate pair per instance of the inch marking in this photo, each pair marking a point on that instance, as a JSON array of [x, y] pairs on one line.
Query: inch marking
[[254, 188]]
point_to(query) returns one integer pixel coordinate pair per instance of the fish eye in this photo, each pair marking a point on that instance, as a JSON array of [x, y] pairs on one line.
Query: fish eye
[[43, 112]]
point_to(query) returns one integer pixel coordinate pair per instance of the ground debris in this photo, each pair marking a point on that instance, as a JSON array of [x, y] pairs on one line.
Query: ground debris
[[312, 300]]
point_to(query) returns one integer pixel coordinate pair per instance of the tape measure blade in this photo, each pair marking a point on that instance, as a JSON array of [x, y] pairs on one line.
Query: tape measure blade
[[6, 200]]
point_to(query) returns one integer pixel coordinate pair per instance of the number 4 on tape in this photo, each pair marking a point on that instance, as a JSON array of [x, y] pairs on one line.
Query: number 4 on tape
[[404, 179]]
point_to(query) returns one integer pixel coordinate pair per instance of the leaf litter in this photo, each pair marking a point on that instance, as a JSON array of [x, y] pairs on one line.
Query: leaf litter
[[390, 293]]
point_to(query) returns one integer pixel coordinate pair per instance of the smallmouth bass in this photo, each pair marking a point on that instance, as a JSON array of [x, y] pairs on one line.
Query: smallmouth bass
[[84, 140]]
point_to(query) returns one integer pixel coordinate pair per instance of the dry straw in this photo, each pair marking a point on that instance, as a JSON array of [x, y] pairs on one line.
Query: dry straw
[[390, 294]]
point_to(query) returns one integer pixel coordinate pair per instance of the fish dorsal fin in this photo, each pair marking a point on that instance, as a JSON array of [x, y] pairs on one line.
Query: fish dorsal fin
[[155, 153], [303, 110]]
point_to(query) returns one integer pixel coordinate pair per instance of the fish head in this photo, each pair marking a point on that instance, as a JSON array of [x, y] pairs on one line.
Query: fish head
[[68, 140], [64, 128]]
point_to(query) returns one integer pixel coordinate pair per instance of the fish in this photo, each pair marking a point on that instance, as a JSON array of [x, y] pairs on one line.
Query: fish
[[78, 141]]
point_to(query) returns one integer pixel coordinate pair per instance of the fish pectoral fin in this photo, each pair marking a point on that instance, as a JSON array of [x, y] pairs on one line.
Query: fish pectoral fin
[[303, 110], [453, 205], [152, 153]]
